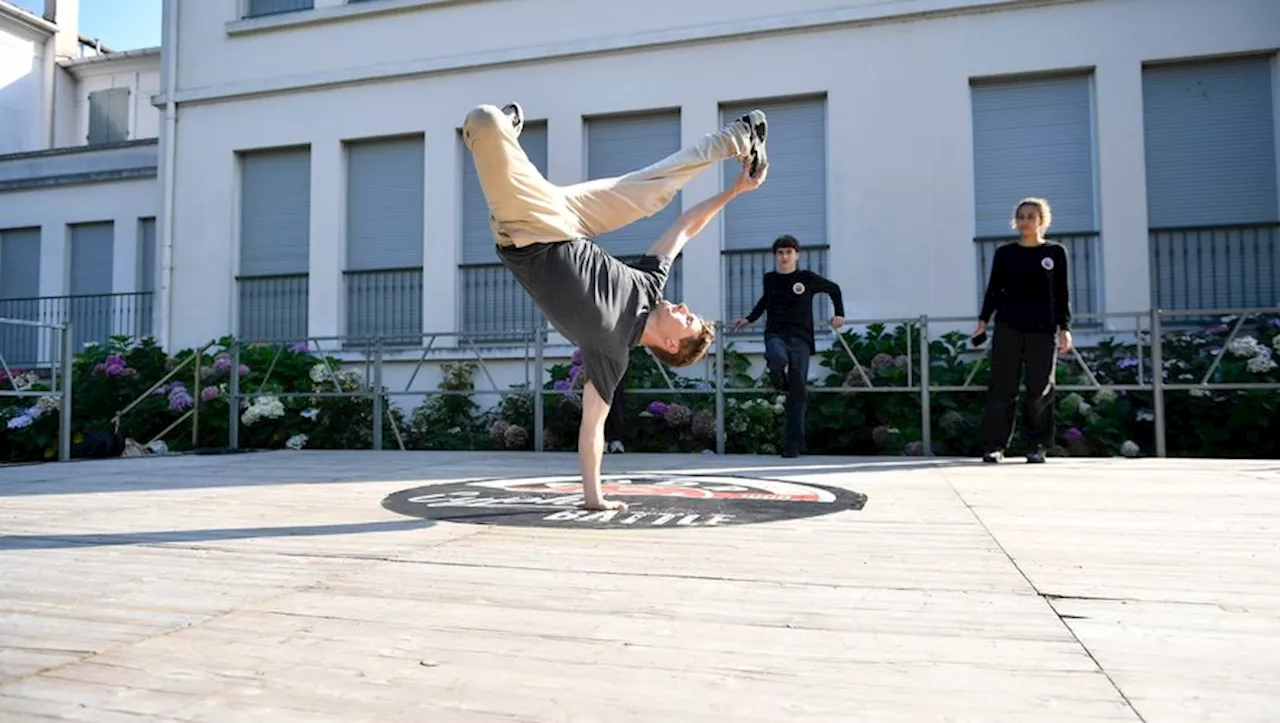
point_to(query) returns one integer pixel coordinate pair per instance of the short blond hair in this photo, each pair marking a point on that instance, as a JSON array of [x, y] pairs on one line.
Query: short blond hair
[[692, 348], [1042, 207]]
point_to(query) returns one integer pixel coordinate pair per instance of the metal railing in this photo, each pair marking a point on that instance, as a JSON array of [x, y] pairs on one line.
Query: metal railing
[[60, 378], [94, 318], [1200, 267]]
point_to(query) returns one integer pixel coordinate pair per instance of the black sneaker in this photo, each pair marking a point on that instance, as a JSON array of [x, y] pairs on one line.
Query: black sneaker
[[778, 379], [993, 457], [790, 453], [517, 116], [759, 126], [1036, 457]]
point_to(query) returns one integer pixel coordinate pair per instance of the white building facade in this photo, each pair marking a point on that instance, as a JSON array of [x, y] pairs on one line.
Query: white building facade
[[78, 190]]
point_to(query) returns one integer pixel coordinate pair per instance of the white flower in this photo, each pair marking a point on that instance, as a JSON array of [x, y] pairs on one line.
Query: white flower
[[297, 441], [778, 408], [319, 372], [1275, 342], [1262, 363], [19, 422], [1084, 407], [268, 407], [1200, 392], [1106, 396], [1130, 448], [1145, 415], [311, 413], [1245, 346]]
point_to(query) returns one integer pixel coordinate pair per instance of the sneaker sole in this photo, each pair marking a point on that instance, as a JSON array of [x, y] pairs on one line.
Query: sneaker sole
[[759, 126]]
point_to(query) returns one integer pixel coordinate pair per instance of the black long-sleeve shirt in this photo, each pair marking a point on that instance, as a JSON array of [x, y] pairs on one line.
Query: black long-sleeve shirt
[[1028, 288], [788, 299]]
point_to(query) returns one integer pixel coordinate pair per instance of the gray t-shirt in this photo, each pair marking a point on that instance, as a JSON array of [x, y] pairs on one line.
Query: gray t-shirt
[[596, 301]]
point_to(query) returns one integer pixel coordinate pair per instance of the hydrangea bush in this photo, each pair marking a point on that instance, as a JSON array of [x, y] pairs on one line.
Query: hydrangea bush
[[279, 409]]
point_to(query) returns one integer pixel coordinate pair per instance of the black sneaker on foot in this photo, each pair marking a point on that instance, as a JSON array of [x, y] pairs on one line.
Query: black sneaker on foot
[[993, 457], [1036, 457], [778, 378], [517, 116], [759, 126]]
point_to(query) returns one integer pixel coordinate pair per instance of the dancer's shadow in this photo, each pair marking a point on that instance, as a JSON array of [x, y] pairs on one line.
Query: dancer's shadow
[[92, 539]]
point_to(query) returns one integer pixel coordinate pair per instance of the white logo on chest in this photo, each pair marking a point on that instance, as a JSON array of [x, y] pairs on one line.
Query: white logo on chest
[[1047, 263], [797, 288]]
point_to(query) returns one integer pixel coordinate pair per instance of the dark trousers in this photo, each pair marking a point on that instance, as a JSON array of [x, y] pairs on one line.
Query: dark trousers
[[789, 356], [613, 424], [1030, 358]]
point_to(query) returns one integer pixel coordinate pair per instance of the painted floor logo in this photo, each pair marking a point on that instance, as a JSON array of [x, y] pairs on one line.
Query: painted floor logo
[[653, 501]]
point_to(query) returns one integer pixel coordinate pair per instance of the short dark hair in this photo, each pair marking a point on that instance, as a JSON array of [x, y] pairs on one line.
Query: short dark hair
[[786, 241]]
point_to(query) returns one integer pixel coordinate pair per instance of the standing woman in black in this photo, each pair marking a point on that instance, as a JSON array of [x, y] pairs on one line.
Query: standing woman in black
[[1028, 294]]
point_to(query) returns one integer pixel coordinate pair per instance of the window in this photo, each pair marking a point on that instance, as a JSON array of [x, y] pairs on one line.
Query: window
[[793, 201], [617, 145], [1034, 137], [108, 116], [1211, 184], [384, 240], [258, 8], [275, 244], [19, 292], [91, 306]]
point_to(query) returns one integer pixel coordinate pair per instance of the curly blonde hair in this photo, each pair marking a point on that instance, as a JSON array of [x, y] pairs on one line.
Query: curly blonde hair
[[1042, 207]]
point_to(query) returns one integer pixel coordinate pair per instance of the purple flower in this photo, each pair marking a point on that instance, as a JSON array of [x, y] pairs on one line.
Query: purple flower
[[179, 400], [563, 385], [1127, 361], [658, 409], [577, 357], [208, 394], [299, 348], [114, 366], [222, 362], [244, 370], [1274, 323], [574, 371], [914, 449], [1216, 329], [1074, 434]]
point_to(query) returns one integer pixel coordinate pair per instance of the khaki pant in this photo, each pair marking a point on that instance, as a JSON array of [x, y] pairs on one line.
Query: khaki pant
[[526, 208]]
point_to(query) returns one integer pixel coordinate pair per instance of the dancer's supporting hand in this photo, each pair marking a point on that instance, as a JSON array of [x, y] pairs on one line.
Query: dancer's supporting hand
[[745, 183], [837, 322], [739, 322]]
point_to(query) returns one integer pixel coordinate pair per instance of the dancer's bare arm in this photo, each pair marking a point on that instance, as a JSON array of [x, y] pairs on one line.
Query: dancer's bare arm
[[691, 222], [591, 448]]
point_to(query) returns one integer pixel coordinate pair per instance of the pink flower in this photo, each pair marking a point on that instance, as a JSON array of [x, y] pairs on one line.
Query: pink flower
[[208, 394], [1074, 434]]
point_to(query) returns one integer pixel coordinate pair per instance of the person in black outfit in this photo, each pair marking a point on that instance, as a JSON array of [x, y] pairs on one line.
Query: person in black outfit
[[788, 334], [1029, 296]]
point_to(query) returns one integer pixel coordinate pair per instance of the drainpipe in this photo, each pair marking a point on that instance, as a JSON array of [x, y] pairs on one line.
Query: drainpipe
[[170, 52]]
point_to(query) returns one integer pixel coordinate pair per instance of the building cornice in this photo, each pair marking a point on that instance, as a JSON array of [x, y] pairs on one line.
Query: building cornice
[[112, 62], [32, 25], [892, 11]]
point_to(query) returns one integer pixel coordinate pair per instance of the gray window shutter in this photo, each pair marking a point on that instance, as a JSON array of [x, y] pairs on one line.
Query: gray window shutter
[[385, 204], [477, 234], [19, 292], [619, 145], [275, 212], [91, 305], [794, 199], [257, 8], [20, 263], [1210, 143], [147, 255], [1033, 137], [108, 116]]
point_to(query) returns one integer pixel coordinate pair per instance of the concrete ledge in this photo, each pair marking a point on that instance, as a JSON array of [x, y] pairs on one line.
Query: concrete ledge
[[319, 16]]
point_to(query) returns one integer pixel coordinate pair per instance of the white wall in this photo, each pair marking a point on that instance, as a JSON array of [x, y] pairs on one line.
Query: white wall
[[21, 92], [900, 185], [53, 209]]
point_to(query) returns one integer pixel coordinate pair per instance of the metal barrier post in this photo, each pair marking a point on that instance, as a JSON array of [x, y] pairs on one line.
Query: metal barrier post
[[720, 441], [926, 410], [64, 419], [233, 424], [377, 395], [1157, 379], [537, 391], [195, 402]]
